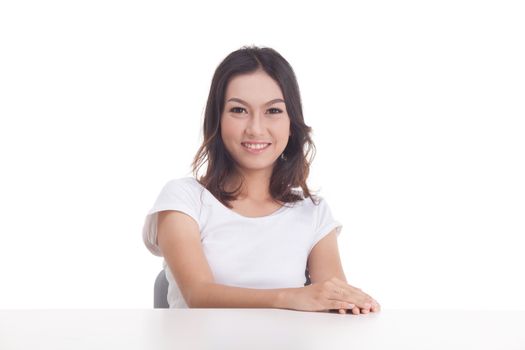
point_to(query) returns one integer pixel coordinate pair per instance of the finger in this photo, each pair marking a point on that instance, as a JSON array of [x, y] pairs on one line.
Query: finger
[[369, 299], [341, 303], [375, 306], [342, 311], [340, 293], [355, 310], [351, 294], [362, 303], [337, 304]]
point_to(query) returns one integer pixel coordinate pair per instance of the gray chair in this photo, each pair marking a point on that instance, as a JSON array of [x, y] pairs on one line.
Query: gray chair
[[160, 289]]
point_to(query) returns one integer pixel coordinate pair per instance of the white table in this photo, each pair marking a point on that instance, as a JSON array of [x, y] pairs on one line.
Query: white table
[[260, 329]]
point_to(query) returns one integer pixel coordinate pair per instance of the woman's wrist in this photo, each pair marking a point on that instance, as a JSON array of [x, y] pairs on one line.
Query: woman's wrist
[[284, 296]]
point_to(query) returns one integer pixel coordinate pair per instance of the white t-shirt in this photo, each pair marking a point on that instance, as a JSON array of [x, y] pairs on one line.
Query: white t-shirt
[[250, 252]]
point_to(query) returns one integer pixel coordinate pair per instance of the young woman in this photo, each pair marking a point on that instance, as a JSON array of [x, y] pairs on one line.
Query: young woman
[[249, 233]]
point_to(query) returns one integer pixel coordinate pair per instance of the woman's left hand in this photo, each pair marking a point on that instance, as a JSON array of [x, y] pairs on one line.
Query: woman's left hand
[[375, 307]]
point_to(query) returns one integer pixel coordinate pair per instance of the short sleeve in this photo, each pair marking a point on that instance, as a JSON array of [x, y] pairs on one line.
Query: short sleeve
[[178, 195], [324, 222]]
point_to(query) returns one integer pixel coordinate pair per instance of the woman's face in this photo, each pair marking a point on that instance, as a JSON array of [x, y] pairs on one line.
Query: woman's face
[[254, 112]]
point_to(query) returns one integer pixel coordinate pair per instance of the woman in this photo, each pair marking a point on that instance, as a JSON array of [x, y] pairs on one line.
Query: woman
[[243, 234]]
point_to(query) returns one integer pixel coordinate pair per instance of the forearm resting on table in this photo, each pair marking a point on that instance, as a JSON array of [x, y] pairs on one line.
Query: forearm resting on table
[[213, 295]]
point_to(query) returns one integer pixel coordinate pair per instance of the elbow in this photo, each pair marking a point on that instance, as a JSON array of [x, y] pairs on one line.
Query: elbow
[[192, 300], [192, 303], [195, 296]]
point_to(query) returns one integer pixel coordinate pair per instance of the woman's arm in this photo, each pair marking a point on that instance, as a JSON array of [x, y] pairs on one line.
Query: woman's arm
[[178, 238], [324, 263]]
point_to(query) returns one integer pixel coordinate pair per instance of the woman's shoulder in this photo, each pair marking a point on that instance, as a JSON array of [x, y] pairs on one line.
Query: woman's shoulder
[[187, 188], [186, 182]]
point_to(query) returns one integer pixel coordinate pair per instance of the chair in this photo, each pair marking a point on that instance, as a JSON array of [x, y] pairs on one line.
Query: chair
[[160, 289]]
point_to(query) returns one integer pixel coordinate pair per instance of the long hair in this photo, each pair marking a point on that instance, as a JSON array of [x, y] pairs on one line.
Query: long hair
[[289, 173]]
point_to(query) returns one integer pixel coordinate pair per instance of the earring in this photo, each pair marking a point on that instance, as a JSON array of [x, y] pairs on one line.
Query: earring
[[283, 157]]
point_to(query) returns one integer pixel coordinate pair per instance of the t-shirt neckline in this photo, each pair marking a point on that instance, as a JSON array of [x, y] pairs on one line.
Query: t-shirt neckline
[[232, 212]]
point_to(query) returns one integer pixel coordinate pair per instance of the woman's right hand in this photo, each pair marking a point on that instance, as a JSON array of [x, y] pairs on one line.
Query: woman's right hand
[[330, 294]]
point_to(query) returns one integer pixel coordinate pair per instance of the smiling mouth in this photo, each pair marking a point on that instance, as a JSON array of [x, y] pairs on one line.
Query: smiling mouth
[[256, 146], [256, 149]]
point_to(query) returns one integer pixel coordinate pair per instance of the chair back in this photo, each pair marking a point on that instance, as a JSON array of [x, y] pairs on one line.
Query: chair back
[[160, 291]]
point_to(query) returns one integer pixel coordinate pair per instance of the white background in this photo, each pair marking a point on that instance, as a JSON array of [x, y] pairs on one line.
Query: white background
[[418, 115]]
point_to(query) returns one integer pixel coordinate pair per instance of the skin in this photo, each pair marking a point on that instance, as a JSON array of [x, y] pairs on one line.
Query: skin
[[259, 118], [254, 120]]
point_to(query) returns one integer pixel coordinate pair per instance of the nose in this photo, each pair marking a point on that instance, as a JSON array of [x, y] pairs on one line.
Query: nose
[[255, 124]]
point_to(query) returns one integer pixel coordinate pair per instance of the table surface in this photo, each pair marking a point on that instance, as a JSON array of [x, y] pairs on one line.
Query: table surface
[[259, 329]]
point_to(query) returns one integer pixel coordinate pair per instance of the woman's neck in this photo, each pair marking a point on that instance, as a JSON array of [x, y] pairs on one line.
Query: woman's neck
[[255, 188]]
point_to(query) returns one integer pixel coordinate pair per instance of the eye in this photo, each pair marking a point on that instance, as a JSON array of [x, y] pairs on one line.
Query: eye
[[240, 109], [275, 109], [236, 108]]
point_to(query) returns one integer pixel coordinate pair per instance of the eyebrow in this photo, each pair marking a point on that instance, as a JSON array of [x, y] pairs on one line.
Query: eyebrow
[[234, 99]]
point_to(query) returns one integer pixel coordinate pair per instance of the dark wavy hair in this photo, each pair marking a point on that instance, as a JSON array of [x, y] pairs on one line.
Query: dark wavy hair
[[289, 173]]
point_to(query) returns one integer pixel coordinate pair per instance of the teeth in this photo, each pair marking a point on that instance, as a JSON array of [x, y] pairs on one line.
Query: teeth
[[256, 146]]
